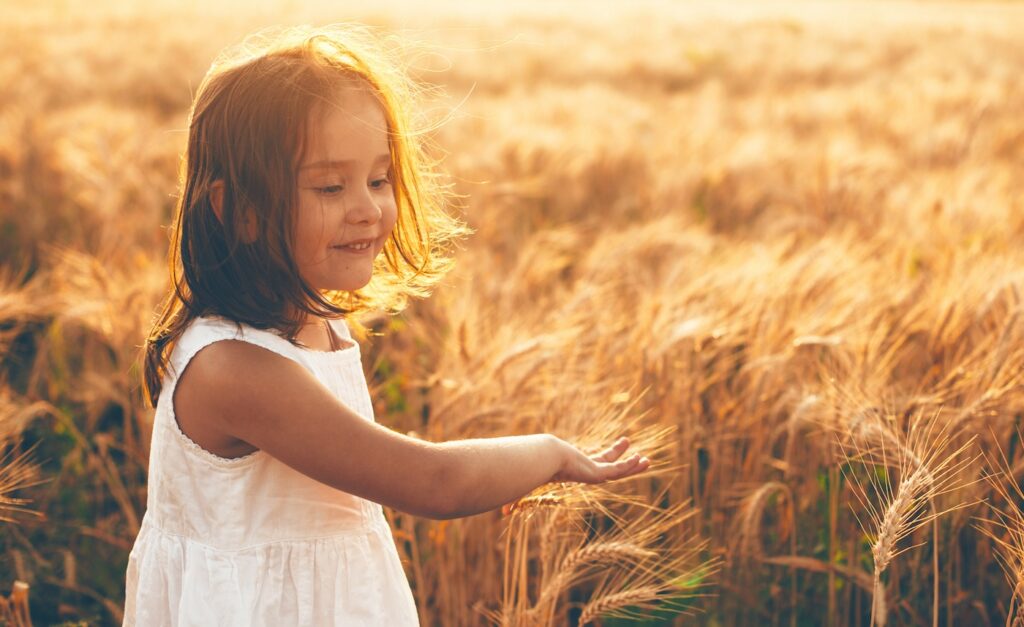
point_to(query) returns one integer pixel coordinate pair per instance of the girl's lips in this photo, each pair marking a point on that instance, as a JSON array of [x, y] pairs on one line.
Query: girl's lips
[[365, 240], [347, 248]]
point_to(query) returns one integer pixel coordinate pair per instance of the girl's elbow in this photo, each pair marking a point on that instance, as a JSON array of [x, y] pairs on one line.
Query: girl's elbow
[[434, 505], [446, 487]]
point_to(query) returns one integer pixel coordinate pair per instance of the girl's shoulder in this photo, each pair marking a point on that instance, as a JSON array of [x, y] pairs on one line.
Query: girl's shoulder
[[219, 327], [205, 330]]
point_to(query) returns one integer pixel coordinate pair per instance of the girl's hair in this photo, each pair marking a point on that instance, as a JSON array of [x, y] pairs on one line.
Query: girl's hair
[[247, 128]]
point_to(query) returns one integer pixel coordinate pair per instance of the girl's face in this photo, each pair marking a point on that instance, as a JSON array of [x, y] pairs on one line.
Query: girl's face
[[346, 205]]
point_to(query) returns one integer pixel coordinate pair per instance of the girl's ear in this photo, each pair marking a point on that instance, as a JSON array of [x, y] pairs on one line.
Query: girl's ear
[[217, 199], [217, 202]]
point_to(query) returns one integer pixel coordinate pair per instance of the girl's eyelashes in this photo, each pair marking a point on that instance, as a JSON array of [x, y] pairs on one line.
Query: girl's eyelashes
[[329, 190], [382, 181], [334, 190]]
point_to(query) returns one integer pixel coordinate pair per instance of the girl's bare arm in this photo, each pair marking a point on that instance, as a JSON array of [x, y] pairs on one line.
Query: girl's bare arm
[[489, 472], [275, 404]]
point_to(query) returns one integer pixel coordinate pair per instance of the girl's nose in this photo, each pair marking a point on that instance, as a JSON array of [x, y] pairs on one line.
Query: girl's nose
[[363, 209]]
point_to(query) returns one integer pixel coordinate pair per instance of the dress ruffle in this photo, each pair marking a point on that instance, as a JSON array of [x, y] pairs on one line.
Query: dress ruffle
[[346, 579]]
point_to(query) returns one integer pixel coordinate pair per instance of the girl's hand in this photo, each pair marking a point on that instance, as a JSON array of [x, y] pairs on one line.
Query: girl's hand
[[578, 467]]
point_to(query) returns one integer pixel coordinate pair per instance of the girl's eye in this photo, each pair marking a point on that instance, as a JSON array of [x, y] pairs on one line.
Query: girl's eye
[[381, 183], [329, 190]]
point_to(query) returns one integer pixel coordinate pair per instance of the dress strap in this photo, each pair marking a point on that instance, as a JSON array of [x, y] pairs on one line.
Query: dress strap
[[330, 335], [341, 327]]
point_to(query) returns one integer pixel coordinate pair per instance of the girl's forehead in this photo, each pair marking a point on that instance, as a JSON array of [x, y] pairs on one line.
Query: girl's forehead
[[355, 107], [351, 127]]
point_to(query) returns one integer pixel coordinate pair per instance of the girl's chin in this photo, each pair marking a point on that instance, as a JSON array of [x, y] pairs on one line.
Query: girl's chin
[[346, 277], [348, 285]]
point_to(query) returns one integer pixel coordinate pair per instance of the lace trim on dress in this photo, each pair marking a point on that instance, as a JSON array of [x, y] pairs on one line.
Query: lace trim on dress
[[210, 456]]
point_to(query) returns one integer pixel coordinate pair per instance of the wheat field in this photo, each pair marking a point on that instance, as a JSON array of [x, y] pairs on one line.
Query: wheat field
[[779, 244]]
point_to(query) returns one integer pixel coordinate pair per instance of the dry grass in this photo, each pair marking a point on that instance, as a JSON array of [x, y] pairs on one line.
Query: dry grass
[[731, 231]]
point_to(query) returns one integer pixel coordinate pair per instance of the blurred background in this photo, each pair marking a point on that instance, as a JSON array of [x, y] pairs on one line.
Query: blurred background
[[763, 225]]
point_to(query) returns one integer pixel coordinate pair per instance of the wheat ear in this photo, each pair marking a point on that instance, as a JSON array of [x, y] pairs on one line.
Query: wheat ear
[[616, 602], [926, 468]]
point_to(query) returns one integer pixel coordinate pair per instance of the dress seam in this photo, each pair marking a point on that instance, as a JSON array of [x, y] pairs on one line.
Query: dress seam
[[367, 528]]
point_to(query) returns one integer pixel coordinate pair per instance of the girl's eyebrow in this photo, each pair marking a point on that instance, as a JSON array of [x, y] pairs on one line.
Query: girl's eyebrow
[[331, 163]]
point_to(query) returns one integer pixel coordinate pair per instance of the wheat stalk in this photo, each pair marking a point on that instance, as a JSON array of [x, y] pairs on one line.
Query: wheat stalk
[[1009, 521], [927, 468], [14, 609], [748, 521], [582, 559]]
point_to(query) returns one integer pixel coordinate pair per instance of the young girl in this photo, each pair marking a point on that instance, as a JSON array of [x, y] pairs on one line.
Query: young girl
[[305, 199]]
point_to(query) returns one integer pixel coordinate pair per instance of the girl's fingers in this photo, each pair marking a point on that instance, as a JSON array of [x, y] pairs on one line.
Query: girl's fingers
[[613, 452], [623, 468], [620, 468], [606, 466]]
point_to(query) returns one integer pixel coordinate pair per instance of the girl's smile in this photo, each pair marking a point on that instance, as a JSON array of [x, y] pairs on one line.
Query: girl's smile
[[356, 248]]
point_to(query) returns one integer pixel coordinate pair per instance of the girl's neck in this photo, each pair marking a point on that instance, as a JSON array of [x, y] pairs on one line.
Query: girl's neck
[[317, 334]]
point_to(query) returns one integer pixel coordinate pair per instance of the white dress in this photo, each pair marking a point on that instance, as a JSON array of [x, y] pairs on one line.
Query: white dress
[[250, 541]]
